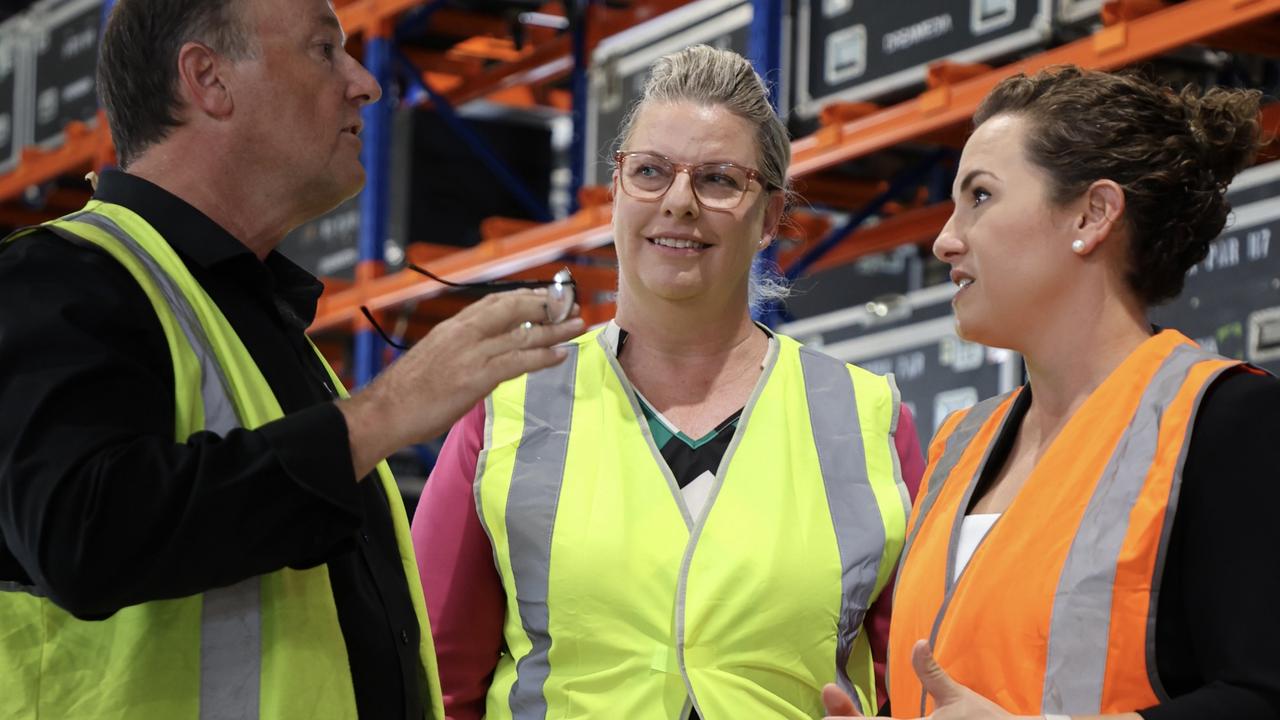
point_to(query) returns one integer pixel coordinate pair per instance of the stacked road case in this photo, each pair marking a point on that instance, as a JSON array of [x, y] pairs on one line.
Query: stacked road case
[[1231, 301], [63, 43], [850, 50], [913, 337], [440, 189], [620, 65], [15, 103]]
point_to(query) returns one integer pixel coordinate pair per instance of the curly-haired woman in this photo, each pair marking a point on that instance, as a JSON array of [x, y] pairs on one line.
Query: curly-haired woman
[[1105, 545]]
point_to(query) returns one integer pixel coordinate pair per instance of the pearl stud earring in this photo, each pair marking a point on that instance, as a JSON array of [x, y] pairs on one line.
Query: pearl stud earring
[[1077, 246]]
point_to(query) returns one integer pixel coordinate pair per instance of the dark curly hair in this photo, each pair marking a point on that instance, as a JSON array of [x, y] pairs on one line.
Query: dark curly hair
[[1173, 153]]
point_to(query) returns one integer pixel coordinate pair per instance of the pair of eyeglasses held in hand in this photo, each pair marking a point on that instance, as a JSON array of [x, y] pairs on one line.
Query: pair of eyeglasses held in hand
[[561, 296]]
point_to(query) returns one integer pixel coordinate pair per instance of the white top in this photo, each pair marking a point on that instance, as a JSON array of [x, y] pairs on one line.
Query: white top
[[972, 529]]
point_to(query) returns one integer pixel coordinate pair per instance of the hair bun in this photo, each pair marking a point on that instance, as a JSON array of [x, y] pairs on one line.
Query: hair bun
[[1224, 123]]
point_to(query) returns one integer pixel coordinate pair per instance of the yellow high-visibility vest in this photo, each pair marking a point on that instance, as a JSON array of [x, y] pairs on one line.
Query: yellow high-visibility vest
[[622, 605], [268, 647]]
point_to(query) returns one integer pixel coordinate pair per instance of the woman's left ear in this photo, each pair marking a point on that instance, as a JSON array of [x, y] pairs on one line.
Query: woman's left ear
[[1103, 208], [772, 218]]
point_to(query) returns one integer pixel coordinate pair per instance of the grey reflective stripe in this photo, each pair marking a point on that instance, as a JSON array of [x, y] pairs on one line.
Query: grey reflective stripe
[[957, 443], [219, 411], [855, 513], [970, 424], [1175, 491], [231, 651], [11, 586], [1080, 626], [231, 620], [530, 520]]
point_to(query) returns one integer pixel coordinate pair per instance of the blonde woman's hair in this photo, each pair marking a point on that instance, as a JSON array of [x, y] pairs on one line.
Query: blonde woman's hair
[[711, 77]]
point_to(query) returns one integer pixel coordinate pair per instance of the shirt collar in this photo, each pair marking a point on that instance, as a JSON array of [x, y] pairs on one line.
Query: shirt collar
[[206, 244]]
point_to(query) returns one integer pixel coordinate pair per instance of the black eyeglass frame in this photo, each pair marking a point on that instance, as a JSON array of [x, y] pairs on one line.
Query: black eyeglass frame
[[677, 167], [562, 295]]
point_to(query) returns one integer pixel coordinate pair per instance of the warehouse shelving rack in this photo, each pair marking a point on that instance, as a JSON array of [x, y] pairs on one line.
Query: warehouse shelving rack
[[487, 64]]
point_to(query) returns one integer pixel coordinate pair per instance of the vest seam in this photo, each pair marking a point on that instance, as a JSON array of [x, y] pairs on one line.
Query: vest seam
[[672, 486], [772, 357]]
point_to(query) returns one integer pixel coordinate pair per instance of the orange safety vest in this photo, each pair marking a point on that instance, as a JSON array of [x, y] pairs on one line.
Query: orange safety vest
[[1055, 611]]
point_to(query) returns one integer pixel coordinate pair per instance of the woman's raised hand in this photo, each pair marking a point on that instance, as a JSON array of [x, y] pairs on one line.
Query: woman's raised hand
[[951, 700]]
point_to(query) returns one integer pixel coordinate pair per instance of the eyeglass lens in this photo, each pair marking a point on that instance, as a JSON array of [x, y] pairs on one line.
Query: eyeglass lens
[[716, 185], [561, 295]]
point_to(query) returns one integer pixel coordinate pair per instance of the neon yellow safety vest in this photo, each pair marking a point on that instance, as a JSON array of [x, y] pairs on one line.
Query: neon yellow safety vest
[[621, 605], [267, 647]]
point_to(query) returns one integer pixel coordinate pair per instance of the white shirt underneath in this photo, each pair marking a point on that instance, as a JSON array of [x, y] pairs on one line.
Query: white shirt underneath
[[972, 529]]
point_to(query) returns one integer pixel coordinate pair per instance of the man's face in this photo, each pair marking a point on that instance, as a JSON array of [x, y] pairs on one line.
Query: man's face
[[297, 104]]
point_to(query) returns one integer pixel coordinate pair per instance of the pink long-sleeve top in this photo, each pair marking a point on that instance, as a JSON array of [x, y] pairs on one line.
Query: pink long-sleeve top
[[462, 588]]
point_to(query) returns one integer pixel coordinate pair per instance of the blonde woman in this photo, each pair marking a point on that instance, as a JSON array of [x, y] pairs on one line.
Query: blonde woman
[[696, 515]]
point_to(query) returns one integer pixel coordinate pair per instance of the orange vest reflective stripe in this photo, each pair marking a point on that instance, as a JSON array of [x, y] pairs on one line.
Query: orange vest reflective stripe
[[1055, 612]]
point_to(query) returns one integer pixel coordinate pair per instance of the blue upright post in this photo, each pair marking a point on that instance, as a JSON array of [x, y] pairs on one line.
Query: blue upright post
[[907, 179], [536, 207], [106, 14], [579, 153], [107, 6], [764, 44], [376, 157]]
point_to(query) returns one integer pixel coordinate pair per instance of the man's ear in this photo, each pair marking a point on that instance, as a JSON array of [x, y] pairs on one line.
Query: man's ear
[[202, 81], [1099, 217]]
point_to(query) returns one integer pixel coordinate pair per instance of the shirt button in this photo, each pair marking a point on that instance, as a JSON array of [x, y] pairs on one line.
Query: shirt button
[[404, 636], [364, 536]]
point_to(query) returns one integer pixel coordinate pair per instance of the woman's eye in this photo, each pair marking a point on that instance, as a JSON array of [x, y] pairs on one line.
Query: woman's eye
[[980, 196], [720, 179]]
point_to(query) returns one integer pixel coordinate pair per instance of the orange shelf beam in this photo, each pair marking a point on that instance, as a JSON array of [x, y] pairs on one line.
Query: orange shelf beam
[[1115, 46], [84, 149], [495, 258], [370, 17], [937, 111], [911, 227]]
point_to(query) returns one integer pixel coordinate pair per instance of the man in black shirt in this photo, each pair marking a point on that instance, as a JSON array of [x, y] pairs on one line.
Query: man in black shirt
[[234, 121]]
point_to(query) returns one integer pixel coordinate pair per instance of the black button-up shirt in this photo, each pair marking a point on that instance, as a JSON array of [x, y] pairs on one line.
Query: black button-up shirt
[[101, 509]]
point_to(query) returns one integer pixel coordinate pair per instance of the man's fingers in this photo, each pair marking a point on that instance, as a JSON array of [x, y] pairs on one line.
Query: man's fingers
[[533, 335], [495, 314], [519, 362], [935, 680], [838, 703], [524, 336]]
